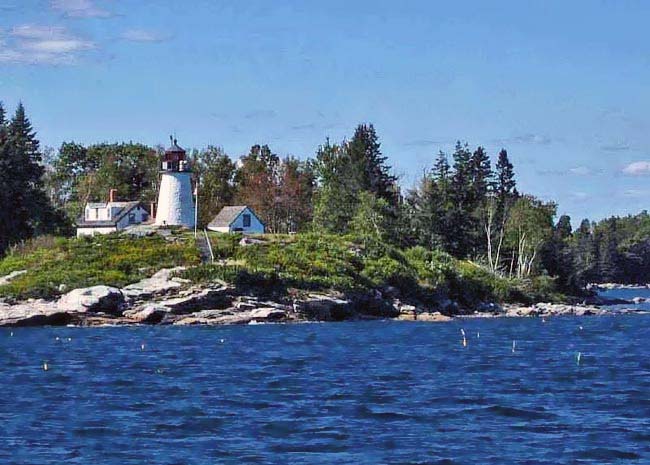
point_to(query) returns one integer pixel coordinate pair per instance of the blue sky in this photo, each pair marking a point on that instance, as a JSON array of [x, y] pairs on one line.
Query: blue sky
[[562, 85]]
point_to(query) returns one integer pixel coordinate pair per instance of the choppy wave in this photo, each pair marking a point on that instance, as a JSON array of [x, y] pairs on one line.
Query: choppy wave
[[348, 393]]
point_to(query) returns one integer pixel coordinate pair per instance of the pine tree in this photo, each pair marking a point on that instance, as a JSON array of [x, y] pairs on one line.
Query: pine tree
[[557, 256], [505, 184], [481, 173], [584, 254], [27, 210], [441, 169], [608, 254], [461, 222], [461, 180], [369, 166]]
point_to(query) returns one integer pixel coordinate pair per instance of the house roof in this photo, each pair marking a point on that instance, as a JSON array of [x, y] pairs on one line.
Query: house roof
[[126, 208], [109, 204], [227, 215]]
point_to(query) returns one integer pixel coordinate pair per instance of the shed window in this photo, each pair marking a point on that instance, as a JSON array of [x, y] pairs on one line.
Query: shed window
[[247, 220], [131, 218]]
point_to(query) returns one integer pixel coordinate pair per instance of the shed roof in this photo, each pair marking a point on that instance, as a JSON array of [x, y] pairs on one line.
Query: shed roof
[[227, 215]]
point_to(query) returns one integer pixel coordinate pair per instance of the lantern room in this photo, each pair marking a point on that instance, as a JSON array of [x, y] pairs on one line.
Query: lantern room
[[174, 158]]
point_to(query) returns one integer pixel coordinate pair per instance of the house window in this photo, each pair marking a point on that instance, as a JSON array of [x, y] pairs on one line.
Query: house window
[[131, 218], [247, 220]]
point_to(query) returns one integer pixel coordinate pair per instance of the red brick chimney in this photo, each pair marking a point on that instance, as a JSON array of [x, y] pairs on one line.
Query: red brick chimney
[[111, 195]]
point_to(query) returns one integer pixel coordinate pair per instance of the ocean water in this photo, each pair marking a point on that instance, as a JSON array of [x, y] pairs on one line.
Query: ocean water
[[340, 393], [629, 294]]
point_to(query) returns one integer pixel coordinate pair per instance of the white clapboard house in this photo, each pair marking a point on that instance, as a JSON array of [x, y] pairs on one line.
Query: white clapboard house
[[240, 218], [111, 216]]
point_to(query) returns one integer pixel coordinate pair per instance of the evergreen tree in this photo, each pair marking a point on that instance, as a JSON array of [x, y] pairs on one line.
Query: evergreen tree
[[336, 193], [584, 255], [27, 211], [432, 206], [557, 256], [608, 254], [481, 173], [370, 171], [462, 222], [505, 184]]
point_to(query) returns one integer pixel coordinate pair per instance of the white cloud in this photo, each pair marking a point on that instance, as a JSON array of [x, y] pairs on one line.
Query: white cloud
[[58, 46], [528, 139], [261, 114], [139, 35], [580, 196], [33, 44], [80, 9], [533, 139], [619, 146], [636, 193], [638, 168], [34, 32], [581, 171]]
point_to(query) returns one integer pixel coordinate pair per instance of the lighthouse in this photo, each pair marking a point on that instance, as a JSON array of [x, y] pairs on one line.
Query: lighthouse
[[175, 202]]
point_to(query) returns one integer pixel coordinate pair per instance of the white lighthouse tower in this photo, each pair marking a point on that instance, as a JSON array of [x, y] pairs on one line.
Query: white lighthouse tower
[[175, 202]]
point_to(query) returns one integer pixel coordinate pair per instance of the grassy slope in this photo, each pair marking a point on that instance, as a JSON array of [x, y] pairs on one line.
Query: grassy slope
[[112, 260], [348, 264], [280, 264]]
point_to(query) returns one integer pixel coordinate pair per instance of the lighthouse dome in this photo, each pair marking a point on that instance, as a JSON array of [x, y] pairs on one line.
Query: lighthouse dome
[[174, 147]]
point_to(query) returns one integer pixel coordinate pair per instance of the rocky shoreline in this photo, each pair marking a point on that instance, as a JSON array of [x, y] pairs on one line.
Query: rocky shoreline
[[168, 300]]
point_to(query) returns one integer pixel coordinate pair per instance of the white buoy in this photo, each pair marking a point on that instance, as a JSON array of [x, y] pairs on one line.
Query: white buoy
[[222, 340], [142, 346], [69, 339], [57, 338], [578, 357], [45, 367], [462, 331], [478, 335], [580, 328], [11, 334], [514, 345]]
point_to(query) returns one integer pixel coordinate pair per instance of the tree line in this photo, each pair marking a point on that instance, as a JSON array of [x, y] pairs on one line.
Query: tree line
[[463, 205]]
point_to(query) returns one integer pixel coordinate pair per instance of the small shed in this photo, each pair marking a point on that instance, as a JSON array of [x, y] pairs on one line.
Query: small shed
[[239, 218]]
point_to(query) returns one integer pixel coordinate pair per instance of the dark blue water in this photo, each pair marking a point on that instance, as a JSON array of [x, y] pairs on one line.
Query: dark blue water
[[348, 393], [628, 294]]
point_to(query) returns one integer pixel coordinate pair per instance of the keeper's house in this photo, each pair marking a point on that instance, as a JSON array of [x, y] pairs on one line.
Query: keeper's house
[[111, 216], [237, 219]]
